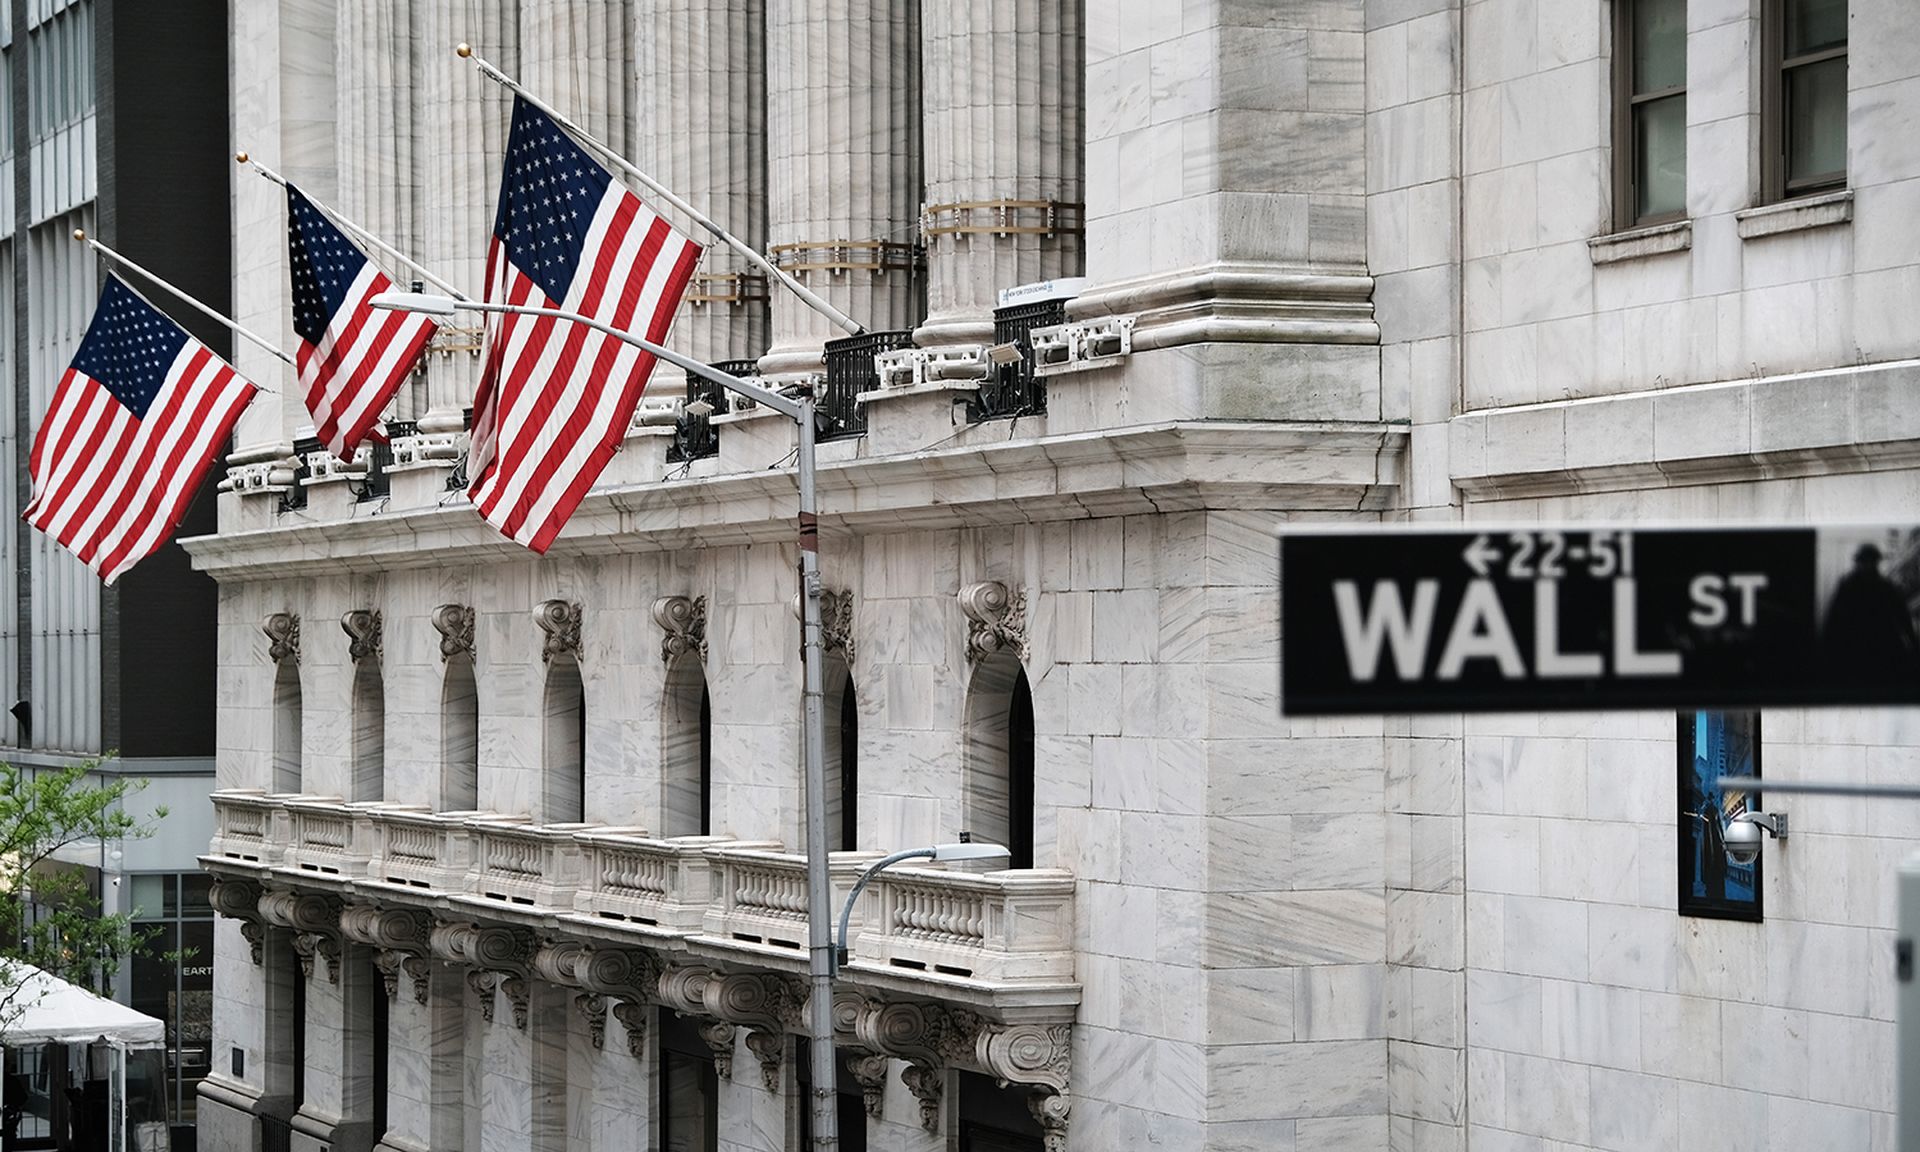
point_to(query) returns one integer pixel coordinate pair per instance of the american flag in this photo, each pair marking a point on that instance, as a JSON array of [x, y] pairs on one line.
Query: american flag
[[352, 357], [556, 397], [140, 414]]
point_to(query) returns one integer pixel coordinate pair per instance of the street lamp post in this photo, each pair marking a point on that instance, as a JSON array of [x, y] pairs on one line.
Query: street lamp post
[[820, 956], [964, 850]]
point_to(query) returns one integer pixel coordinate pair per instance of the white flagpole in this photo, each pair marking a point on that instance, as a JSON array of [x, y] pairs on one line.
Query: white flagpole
[[350, 226], [80, 235], [813, 300]]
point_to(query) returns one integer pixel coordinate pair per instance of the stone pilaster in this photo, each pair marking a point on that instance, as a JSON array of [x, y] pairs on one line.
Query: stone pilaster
[[1226, 215], [462, 134], [700, 128], [843, 167], [573, 55], [1005, 154]]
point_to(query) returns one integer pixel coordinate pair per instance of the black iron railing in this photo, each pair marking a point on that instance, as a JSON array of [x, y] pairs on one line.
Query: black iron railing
[[850, 372], [276, 1135], [694, 436], [296, 497], [1013, 389], [378, 482], [457, 478]]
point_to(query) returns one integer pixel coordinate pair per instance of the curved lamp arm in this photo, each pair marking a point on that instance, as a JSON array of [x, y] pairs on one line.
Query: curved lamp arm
[[966, 850]]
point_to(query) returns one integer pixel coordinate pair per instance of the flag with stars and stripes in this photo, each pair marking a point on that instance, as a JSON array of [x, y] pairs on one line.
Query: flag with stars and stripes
[[141, 412], [352, 357], [555, 397]]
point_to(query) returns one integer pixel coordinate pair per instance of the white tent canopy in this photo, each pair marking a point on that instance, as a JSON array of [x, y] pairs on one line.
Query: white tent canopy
[[45, 1009]]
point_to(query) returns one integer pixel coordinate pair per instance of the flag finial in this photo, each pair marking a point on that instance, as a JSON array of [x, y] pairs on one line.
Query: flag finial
[[463, 50], [80, 234], [239, 157]]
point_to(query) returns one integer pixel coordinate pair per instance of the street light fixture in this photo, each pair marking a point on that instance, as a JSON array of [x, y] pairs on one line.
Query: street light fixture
[[800, 409], [939, 853]]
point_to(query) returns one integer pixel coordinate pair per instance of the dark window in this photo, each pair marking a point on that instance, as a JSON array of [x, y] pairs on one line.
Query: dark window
[[1649, 111], [851, 1110], [995, 1119], [1803, 123], [849, 768], [706, 760], [1020, 775], [175, 909], [689, 1088], [1712, 745]]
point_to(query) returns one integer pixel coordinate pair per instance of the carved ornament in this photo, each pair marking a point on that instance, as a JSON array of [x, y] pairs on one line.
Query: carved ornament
[[283, 636], [454, 622], [392, 929], [362, 626], [632, 1015], [239, 899], [560, 620], [996, 620], [420, 970], [387, 962], [870, 1072], [685, 623], [593, 1007]]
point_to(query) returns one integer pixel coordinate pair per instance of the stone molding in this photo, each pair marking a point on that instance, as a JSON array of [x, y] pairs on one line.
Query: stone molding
[[1795, 215], [1237, 302], [684, 620], [1154, 468], [560, 621], [283, 636], [454, 622], [996, 620], [362, 626]]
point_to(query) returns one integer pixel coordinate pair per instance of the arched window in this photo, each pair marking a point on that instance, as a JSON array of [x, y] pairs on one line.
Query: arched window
[[843, 759], [286, 727], [686, 757], [997, 788], [369, 733], [459, 737], [564, 744]]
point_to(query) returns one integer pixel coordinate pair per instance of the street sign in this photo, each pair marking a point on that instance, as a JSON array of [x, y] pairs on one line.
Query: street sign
[[1582, 617]]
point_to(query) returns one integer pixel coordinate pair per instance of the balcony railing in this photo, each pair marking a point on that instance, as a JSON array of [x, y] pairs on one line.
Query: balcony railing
[[1013, 927]]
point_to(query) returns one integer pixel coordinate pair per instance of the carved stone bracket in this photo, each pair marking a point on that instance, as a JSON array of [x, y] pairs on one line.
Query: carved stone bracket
[[493, 948], [454, 622], [718, 1035], [239, 899], [483, 984], [593, 1007], [301, 911], [560, 620], [619, 972], [1050, 1111], [870, 1072], [388, 963], [768, 1046], [283, 636], [362, 626], [836, 620], [517, 993], [758, 1000], [256, 936], [307, 945], [685, 623], [420, 970], [922, 1032], [996, 620], [632, 1015], [391, 929], [926, 1082], [683, 989]]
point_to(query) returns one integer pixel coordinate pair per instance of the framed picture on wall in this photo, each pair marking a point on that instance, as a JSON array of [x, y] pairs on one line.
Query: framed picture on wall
[[1710, 745]]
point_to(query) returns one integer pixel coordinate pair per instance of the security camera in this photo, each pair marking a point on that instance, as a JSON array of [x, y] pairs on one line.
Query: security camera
[[1744, 833]]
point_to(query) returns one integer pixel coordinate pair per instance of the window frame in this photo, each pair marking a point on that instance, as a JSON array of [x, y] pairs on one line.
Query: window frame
[[1775, 184], [1626, 183], [1706, 907]]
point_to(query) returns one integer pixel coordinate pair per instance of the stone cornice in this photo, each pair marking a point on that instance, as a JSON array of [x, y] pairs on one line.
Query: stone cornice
[[1181, 466]]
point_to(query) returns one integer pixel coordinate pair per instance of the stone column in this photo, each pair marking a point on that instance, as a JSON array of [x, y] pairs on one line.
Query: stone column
[[1005, 149], [843, 172], [700, 129], [374, 74], [461, 142], [573, 55]]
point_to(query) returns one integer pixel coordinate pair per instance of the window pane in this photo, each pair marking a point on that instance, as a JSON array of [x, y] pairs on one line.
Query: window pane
[[150, 895], [1660, 156], [1659, 45], [1817, 119], [1712, 745], [196, 894], [1815, 24]]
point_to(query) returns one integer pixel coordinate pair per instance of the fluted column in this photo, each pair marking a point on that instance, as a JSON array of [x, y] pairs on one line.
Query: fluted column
[[574, 55], [1005, 153], [700, 129], [374, 76], [462, 141], [843, 144]]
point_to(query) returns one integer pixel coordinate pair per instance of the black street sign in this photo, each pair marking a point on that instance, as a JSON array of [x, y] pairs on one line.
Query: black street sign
[[1569, 618]]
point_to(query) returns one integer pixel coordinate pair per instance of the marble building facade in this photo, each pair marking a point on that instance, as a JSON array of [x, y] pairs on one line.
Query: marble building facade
[[512, 857]]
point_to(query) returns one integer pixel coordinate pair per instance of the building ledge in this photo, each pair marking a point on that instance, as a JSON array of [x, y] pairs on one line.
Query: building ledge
[[1796, 215], [1853, 419], [1635, 243]]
